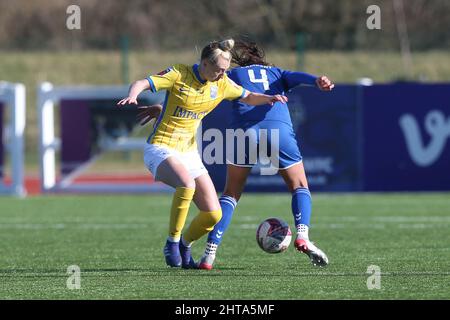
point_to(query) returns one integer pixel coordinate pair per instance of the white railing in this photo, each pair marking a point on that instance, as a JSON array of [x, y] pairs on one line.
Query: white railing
[[12, 95], [47, 97]]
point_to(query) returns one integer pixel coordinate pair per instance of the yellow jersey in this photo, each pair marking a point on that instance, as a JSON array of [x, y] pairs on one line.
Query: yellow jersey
[[188, 99]]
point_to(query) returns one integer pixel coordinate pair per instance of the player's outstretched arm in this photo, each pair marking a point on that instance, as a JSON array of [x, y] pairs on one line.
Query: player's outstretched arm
[[256, 99], [135, 89], [325, 84], [148, 113]]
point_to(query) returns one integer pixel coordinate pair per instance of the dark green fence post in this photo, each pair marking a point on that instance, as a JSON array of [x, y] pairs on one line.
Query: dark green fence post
[[300, 41], [125, 53]]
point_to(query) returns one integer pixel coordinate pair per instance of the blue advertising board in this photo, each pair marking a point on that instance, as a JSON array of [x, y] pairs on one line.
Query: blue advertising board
[[406, 137], [325, 124], [390, 137]]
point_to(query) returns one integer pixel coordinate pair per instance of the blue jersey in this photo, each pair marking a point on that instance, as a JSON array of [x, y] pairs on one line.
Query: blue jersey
[[267, 80]]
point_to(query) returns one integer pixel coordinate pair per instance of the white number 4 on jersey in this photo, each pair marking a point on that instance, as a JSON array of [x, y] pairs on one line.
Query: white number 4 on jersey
[[263, 79]]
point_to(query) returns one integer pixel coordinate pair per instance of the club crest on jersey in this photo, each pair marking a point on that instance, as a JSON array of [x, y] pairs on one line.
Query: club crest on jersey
[[213, 91]]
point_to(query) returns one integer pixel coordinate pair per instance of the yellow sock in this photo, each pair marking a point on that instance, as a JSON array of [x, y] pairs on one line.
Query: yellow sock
[[203, 223], [180, 207]]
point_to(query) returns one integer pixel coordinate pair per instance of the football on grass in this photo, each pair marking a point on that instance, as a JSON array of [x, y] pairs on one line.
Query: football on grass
[[273, 235]]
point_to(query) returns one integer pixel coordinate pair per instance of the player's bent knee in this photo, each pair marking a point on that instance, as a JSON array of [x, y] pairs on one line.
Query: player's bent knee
[[187, 183], [295, 184], [212, 218], [216, 216]]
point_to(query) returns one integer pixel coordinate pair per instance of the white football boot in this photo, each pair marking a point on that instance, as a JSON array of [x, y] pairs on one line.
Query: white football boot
[[317, 256], [207, 260]]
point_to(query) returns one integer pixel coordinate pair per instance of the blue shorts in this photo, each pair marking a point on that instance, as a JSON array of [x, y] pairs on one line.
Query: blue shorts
[[263, 141]]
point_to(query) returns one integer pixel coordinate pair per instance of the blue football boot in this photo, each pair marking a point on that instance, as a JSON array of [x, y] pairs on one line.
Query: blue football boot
[[186, 257], [172, 254]]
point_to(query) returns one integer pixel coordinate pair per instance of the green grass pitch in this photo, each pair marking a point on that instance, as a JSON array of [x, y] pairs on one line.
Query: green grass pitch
[[117, 243]]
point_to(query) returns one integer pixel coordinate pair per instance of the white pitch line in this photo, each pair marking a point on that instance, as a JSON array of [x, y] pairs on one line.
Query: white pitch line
[[362, 226], [58, 226], [339, 219]]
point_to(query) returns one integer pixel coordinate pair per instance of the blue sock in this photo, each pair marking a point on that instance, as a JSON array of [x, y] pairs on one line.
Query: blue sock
[[228, 204], [301, 206]]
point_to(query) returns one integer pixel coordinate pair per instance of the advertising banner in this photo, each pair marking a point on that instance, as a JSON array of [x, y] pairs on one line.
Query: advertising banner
[[325, 124], [406, 143]]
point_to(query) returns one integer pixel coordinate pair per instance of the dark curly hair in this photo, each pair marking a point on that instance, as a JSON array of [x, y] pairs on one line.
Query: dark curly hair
[[247, 53]]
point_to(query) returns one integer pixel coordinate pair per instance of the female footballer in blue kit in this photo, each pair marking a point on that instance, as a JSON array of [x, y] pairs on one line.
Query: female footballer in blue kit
[[255, 74], [171, 155]]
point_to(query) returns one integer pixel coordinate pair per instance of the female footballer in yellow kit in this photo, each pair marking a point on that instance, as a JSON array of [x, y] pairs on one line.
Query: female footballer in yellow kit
[[171, 151]]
